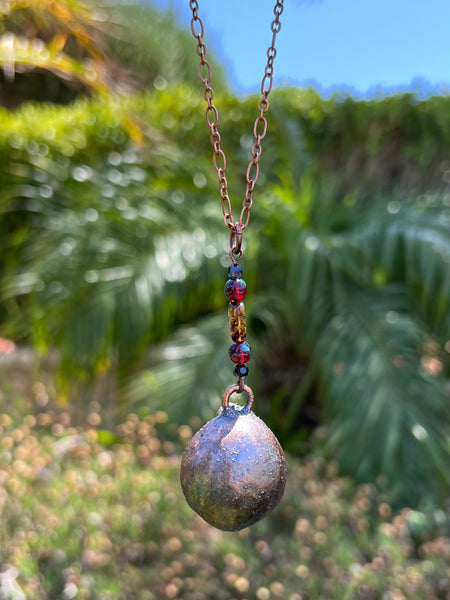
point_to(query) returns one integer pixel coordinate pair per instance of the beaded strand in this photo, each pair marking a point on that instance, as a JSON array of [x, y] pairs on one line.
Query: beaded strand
[[236, 291]]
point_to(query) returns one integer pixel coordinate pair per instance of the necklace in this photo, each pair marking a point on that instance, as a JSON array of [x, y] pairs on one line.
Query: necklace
[[233, 471]]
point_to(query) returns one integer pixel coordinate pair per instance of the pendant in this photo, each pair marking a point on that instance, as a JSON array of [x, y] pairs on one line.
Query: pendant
[[233, 471]]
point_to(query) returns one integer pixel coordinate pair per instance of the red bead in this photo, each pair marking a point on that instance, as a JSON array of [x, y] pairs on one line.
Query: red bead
[[235, 290], [240, 353]]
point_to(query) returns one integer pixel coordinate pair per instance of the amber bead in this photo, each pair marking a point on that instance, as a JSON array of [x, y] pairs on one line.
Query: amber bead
[[235, 290], [240, 353], [238, 329]]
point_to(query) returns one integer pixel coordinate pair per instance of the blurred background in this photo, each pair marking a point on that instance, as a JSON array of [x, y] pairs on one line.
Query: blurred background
[[113, 326]]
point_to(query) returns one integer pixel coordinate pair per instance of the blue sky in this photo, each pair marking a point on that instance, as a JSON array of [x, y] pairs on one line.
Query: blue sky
[[356, 45]]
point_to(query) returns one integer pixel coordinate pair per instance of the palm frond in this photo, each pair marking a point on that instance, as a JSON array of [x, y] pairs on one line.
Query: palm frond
[[413, 245], [111, 272], [65, 38], [386, 414], [187, 374], [379, 396]]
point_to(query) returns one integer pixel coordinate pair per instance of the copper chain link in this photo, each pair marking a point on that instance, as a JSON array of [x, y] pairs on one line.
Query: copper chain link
[[259, 128]]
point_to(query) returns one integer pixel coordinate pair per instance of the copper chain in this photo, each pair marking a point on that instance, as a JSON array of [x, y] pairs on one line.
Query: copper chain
[[259, 128]]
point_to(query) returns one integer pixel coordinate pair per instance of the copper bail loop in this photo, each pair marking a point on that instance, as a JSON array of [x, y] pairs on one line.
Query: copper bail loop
[[237, 389], [236, 252]]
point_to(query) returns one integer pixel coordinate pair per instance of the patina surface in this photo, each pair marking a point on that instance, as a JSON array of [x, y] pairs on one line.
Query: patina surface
[[233, 471]]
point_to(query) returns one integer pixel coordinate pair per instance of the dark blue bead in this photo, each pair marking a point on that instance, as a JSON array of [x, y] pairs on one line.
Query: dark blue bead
[[241, 371], [235, 272]]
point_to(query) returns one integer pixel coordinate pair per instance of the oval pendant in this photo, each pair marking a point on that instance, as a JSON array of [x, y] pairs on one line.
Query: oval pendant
[[233, 471]]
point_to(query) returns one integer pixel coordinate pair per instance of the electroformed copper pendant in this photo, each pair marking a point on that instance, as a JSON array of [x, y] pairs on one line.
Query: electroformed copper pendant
[[233, 471]]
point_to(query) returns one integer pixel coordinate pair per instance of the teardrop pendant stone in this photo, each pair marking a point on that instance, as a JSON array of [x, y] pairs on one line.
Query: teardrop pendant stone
[[233, 471]]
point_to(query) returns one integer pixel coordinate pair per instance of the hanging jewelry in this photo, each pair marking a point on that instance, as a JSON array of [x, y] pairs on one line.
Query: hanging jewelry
[[233, 471]]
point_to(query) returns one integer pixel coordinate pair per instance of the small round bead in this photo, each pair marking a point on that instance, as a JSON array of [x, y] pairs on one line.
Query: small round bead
[[235, 272], [240, 353], [235, 290], [241, 371]]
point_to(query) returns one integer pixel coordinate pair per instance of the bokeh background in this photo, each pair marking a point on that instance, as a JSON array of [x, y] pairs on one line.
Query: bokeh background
[[114, 332]]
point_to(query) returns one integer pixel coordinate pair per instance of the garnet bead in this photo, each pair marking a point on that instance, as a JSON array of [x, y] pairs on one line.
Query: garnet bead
[[235, 290], [241, 371], [240, 353]]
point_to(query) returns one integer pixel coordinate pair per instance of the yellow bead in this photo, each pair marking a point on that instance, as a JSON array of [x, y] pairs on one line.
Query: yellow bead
[[238, 327]]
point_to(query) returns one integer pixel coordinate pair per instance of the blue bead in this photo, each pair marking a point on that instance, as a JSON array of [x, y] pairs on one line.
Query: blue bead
[[241, 371], [235, 272]]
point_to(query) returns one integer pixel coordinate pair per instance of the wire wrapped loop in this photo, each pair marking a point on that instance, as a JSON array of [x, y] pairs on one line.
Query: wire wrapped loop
[[236, 252]]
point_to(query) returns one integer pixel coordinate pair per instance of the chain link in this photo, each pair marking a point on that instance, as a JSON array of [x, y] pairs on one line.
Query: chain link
[[212, 119]]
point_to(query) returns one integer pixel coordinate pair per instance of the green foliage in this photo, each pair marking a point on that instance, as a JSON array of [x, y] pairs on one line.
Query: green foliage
[[55, 51], [109, 259], [112, 239], [63, 41], [369, 345], [393, 142], [155, 47], [79, 517]]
